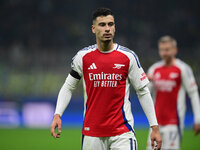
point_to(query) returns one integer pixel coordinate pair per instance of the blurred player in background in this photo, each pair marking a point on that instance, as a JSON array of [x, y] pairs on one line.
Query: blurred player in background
[[172, 78], [107, 70]]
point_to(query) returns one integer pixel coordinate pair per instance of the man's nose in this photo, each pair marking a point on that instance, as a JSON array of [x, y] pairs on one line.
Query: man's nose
[[107, 28]]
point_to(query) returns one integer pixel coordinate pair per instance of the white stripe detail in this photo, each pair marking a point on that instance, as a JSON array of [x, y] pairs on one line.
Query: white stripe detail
[[93, 66]]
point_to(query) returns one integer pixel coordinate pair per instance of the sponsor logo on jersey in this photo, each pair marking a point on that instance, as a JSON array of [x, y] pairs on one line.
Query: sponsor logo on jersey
[[92, 66], [105, 79], [104, 76], [173, 75], [165, 85], [143, 76], [118, 66]]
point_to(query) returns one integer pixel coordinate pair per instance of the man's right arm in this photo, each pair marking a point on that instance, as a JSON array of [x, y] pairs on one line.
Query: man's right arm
[[63, 100], [65, 94]]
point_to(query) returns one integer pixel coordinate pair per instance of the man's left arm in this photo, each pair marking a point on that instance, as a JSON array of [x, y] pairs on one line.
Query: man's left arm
[[194, 97], [192, 90], [146, 102], [139, 81]]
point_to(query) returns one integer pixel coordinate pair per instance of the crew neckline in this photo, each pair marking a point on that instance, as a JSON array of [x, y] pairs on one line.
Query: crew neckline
[[174, 64], [109, 51]]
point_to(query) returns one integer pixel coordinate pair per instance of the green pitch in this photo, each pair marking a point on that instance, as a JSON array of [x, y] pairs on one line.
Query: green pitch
[[40, 139]]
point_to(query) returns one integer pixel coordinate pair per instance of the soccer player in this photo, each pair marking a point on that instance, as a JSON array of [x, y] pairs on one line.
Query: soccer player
[[107, 70], [171, 79]]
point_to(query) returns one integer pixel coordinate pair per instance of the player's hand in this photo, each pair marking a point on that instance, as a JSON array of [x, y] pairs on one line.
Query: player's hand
[[156, 137], [196, 129], [56, 123], [149, 77]]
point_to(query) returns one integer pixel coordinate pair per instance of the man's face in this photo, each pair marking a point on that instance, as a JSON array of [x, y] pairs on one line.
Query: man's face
[[167, 51], [104, 28]]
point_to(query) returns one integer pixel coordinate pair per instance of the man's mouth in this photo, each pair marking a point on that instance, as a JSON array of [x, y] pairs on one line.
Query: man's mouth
[[107, 35]]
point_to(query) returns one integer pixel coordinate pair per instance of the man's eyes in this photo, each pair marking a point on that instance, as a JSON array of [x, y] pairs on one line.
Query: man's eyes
[[104, 24], [111, 24]]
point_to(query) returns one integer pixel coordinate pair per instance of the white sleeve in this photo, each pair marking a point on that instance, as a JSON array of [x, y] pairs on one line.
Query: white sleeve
[[136, 74], [150, 86], [194, 96], [65, 94], [188, 79], [146, 102], [152, 90], [76, 64], [190, 85]]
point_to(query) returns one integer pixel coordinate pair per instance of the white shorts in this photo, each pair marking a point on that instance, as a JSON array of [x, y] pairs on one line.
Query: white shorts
[[171, 137], [125, 141]]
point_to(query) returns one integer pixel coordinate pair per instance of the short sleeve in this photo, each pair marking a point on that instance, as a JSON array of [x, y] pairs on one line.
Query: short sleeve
[[76, 64], [188, 79], [136, 74]]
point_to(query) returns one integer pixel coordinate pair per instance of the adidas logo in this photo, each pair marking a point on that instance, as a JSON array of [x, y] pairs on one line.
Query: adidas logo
[[92, 66]]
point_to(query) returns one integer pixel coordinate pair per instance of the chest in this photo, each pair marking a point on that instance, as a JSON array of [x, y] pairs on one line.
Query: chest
[[167, 78], [111, 66]]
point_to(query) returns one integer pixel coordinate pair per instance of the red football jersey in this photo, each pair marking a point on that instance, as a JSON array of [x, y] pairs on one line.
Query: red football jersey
[[171, 84], [106, 81]]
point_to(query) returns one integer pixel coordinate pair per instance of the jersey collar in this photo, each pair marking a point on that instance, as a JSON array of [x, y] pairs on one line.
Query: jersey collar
[[114, 48]]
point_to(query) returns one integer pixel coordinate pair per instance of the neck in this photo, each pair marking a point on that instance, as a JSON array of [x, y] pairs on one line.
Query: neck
[[170, 62], [105, 46]]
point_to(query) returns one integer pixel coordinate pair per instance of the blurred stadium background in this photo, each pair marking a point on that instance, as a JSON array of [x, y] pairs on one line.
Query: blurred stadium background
[[38, 38]]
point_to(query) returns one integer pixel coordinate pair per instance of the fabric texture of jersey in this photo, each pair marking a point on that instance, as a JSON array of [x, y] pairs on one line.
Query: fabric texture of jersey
[[106, 82], [171, 84]]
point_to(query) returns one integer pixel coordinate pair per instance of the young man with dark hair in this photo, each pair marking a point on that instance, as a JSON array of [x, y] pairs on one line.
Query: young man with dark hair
[[107, 70]]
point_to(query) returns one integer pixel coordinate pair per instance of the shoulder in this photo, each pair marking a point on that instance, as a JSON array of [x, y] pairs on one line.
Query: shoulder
[[153, 67], [184, 67], [157, 65], [126, 51], [129, 53], [181, 64], [88, 48], [85, 50]]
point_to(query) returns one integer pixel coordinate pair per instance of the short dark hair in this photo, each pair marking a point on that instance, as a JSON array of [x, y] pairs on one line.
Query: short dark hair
[[101, 12]]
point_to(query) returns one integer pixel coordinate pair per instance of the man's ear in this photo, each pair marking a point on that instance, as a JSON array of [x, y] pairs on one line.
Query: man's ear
[[93, 29]]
